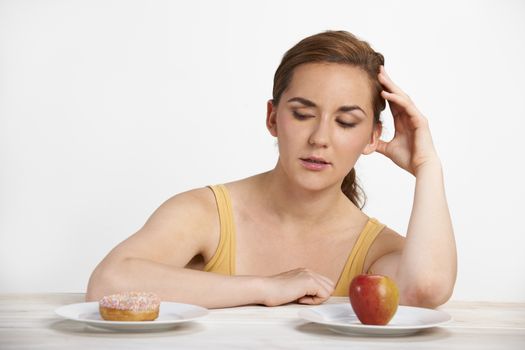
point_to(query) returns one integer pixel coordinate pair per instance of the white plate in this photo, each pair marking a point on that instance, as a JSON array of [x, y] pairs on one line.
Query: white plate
[[407, 320], [170, 315]]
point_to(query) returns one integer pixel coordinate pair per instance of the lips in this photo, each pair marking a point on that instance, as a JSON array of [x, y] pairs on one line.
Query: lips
[[315, 163], [316, 160]]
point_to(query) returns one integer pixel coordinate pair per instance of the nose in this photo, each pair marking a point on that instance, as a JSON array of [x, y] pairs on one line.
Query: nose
[[320, 135]]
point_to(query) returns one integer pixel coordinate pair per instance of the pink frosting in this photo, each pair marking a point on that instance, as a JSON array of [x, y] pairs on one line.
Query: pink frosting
[[134, 301]]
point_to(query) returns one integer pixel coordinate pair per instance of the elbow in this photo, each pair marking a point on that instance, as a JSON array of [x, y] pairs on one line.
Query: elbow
[[426, 294], [98, 284], [103, 281]]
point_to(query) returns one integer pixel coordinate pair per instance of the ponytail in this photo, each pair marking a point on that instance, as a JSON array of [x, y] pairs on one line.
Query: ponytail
[[353, 190]]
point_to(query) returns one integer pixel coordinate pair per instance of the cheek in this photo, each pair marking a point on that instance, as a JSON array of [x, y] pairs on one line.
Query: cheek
[[351, 141], [290, 131], [350, 146], [285, 123], [283, 136]]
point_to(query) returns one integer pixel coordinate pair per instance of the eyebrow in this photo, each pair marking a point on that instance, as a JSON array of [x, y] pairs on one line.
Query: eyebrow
[[344, 109]]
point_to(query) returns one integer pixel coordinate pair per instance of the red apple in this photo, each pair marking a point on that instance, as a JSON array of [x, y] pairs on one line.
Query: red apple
[[374, 298]]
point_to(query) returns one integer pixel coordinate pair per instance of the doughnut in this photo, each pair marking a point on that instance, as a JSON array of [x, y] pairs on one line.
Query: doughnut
[[130, 306]]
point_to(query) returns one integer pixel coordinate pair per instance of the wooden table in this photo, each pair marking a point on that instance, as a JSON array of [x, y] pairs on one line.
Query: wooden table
[[28, 321]]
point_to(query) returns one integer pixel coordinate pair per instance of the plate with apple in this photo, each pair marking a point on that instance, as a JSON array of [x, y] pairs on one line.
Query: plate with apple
[[373, 310]]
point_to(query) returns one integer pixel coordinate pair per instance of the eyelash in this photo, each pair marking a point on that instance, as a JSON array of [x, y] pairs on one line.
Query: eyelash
[[300, 116]]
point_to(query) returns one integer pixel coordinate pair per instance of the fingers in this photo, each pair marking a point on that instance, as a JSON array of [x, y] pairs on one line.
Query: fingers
[[402, 101], [393, 94], [320, 290], [381, 147], [316, 295], [311, 300], [327, 283], [389, 85], [395, 98], [300, 285]]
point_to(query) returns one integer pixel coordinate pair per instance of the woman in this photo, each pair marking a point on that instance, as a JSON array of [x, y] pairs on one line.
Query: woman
[[297, 232]]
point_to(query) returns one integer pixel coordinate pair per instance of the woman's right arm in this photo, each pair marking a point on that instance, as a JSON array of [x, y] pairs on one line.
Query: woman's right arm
[[154, 259]]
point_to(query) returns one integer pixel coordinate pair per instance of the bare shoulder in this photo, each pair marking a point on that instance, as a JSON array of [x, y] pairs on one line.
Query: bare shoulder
[[183, 227], [189, 207], [387, 242]]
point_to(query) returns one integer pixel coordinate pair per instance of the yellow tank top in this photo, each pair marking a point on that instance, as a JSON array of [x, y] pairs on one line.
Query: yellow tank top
[[223, 261]]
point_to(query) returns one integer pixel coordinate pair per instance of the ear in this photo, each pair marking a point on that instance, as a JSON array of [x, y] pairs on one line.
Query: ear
[[271, 118], [374, 139]]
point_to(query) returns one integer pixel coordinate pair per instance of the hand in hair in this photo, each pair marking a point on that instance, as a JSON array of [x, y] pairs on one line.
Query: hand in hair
[[412, 146]]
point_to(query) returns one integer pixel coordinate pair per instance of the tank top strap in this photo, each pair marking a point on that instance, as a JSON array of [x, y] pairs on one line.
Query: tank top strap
[[356, 260], [223, 261]]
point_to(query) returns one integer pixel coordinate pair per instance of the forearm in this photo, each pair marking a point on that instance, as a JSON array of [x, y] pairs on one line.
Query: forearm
[[428, 262], [177, 284]]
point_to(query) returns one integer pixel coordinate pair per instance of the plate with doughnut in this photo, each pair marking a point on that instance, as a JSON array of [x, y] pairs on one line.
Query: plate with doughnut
[[132, 311]]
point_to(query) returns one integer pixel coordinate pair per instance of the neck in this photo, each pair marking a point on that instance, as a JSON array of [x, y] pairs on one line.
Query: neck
[[293, 204]]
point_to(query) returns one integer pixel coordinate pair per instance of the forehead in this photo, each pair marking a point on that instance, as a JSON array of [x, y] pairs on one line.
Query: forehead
[[331, 84]]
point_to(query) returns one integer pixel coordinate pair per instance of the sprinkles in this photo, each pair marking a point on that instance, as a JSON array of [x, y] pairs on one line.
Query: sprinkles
[[134, 301]]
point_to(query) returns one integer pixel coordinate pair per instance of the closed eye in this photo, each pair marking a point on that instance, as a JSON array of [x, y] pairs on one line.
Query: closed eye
[[346, 125], [300, 116]]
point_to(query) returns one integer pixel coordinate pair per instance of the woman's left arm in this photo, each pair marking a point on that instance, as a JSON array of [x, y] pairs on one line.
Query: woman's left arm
[[425, 268]]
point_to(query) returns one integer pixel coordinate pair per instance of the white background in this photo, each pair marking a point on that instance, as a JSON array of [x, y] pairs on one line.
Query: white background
[[108, 108]]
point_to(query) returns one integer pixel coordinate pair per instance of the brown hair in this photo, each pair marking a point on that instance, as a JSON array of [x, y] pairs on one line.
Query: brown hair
[[335, 47]]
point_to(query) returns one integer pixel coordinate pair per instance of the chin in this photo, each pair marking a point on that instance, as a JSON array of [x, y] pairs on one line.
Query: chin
[[316, 183], [313, 181]]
